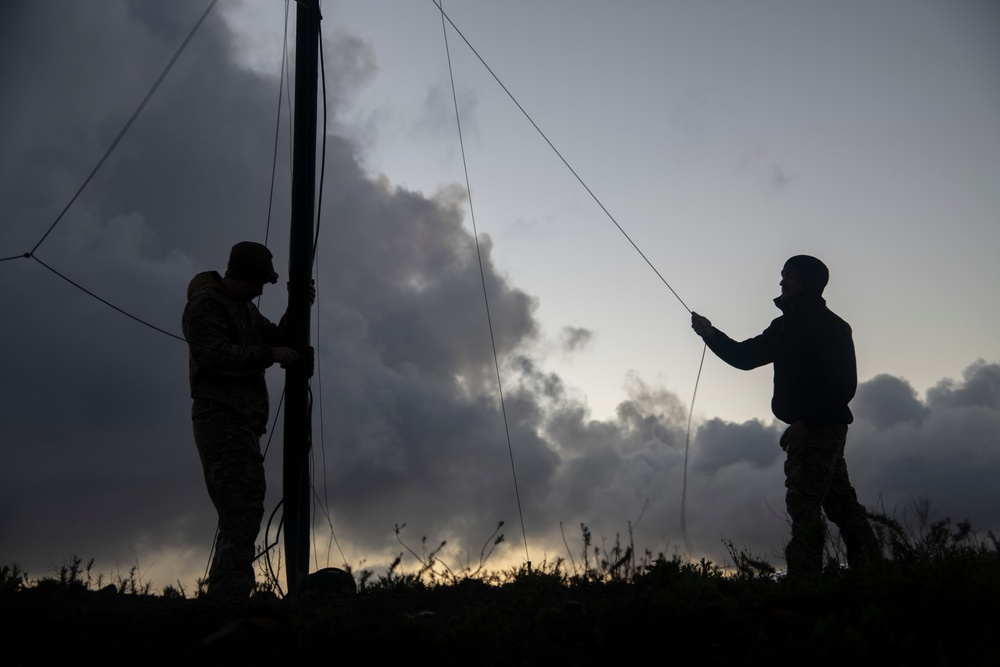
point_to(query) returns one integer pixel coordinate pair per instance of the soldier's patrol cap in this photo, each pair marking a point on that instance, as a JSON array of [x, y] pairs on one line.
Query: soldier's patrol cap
[[251, 262], [815, 275]]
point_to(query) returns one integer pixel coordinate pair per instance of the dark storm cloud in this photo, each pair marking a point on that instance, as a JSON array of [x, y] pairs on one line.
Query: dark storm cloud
[[95, 406], [950, 456], [886, 400], [99, 434], [98, 428], [980, 388], [900, 449], [723, 443], [99, 458]]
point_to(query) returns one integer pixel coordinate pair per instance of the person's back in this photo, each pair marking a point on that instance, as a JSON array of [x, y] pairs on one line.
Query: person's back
[[230, 350]]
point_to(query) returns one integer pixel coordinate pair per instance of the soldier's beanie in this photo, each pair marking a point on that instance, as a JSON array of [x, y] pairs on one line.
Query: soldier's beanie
[[251, 262], [814, 273]]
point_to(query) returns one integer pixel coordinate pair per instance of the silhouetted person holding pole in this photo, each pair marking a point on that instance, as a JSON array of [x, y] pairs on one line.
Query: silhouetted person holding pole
[[815, 377], [231, 344]]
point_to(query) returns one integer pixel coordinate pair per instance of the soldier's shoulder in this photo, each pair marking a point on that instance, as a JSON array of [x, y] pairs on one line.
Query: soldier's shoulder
[[207, 286], [206, 297], [206, 282], [836, 322]]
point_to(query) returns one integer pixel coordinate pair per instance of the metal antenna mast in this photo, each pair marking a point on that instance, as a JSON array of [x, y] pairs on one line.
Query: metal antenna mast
[[298, 426]]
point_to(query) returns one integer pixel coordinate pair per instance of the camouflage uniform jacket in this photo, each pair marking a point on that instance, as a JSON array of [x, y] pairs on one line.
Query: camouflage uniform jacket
[[230, 347]]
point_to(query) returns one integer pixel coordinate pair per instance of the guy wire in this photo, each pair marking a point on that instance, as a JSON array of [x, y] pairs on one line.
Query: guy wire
[[482, 275], [325, 503], [277, 129], [445, 17], [687, 447], [560, 156], [142, 105]]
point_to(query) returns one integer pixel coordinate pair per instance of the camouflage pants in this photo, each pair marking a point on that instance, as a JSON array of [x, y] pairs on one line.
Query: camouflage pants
[[815, 478], [234, 473]]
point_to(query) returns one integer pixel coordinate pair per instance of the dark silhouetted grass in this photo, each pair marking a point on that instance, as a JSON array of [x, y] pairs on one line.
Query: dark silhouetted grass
[[932, 601]]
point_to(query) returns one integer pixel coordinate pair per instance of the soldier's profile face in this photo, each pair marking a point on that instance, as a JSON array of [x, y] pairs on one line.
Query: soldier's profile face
[[248, 291], [791, 282]]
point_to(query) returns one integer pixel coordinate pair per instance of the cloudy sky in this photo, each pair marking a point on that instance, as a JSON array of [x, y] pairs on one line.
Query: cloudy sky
[[724, 137]]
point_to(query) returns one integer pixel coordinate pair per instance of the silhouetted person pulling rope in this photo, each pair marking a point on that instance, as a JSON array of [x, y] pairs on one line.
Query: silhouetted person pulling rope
[[815, 377]]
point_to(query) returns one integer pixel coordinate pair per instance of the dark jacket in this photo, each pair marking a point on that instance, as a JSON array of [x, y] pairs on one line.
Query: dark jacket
[[230, 347], [815, 369]]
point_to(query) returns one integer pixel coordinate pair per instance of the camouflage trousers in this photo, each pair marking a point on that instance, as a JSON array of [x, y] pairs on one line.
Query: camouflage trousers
[[234, 473], [816, 478]]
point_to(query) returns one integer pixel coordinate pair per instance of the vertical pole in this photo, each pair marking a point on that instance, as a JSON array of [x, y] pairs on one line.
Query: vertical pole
[[298, 426]]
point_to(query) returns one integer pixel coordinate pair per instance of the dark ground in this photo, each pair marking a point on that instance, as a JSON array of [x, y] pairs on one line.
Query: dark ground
[[670, 614]]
